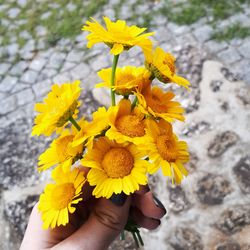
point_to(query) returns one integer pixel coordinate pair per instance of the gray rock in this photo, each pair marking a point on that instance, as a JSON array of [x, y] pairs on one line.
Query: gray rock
[[62, 78], [197, 128], [89, 104], [203, 33], [185, 239], [192, 165], [229, 55], [241, 70], [71, 7], [244, 49], [4, 67], [215, 85], [212, 189], [19, 68], [25, 35], [229, 75], [46, 74], [41, 31], [19, 155], [80, 72], [56, 60], [13, 49], [75, 56], [37, 64], [242, 173], [19, 87], [216, 47], [8, 104], [234, 219], [22, 3], [29, 76], [178, 199], [42, 88], [8, 83], [24, 97], [99, 62], [228, 245], [221, 143], [45, 15], [17, 213], [13, 13]]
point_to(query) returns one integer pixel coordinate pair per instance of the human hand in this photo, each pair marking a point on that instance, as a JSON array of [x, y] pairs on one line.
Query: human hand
[[95, 224]]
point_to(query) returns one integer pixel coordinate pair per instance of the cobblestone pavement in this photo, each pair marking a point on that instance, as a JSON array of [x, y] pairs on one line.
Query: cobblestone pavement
[[211, 209]]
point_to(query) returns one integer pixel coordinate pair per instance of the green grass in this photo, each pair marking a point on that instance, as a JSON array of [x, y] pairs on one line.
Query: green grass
[[233, 31]]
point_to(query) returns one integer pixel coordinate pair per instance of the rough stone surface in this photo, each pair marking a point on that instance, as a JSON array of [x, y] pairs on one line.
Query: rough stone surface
[[178, 199], [212, 189], [221, 143], [186, 238], [228, 246], [234, 219], [242, 173]]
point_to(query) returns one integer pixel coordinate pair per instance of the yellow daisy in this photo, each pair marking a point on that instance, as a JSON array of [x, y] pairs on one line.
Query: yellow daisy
[[126, 124], [159, 104], [60, 104], [94, 128], [61, 151], [115, 168], [162, 66], [166, 151], [127, 79], [117, 35], [59, 198]]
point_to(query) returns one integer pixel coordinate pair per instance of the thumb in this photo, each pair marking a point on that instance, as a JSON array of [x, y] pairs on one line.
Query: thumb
[[104, 224]]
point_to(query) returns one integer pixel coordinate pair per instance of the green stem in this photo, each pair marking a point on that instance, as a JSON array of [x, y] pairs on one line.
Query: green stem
[[114, 65], [134, 103], [73, 121]]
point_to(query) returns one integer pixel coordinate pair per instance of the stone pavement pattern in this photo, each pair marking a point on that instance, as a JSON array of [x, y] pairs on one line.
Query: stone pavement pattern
[[211, 209]]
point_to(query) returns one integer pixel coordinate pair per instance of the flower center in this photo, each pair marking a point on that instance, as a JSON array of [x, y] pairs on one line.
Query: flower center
[[118, 162], [156, 104], [62, 195], [167, 148], [124, 85], [130, 125]]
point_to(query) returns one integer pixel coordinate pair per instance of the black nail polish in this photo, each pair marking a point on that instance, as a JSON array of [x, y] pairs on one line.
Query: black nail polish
[[118, 199], [158, 203]]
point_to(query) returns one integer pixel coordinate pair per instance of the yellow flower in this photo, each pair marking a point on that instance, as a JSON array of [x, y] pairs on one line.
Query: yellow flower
[[127, 79], [115, 168], [159, 104], [162, 66], [126, 124], [61, 151], [59, 198], [88, 132], [117, 35], [166, 151], [60, 104]]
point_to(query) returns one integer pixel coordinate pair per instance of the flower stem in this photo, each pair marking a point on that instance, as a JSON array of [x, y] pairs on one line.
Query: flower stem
[[114, 65], [75, 124]]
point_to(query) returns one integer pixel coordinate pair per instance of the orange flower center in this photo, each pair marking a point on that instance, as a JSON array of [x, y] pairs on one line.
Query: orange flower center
[[130, 125], [118, 162], [125, 84], [166, 148], [156, 104], [62, 195]]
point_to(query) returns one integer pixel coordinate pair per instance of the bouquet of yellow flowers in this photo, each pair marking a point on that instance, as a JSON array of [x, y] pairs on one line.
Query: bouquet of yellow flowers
[[122, 144]]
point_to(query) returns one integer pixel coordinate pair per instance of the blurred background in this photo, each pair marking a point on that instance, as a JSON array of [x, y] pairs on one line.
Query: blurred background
[[41, 43]]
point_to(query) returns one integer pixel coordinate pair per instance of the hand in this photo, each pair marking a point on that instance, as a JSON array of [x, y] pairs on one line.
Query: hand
[[95, 224]]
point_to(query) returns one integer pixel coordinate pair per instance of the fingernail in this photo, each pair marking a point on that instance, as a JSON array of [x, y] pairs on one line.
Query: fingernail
[[118, 199], [158, 203]]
